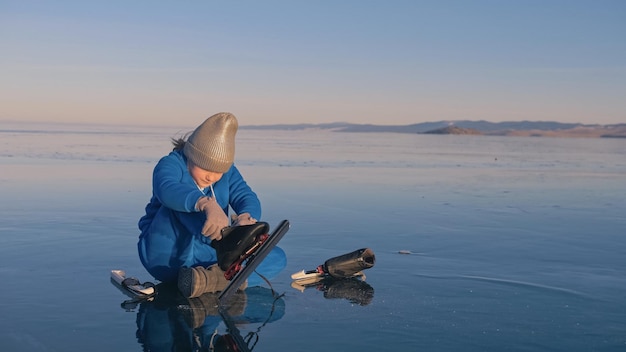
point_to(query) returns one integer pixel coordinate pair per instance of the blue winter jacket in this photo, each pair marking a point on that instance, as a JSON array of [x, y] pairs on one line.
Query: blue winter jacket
[[174, 188]]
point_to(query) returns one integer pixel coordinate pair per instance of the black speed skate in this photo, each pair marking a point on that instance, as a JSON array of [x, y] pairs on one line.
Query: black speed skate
[[237, 244], [341, 267]]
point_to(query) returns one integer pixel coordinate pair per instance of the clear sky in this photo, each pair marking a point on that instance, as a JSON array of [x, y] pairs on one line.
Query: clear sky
[[360, 61]]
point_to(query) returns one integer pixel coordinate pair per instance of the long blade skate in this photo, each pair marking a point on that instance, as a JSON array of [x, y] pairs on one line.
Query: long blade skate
[[252, 261], [344, 266]]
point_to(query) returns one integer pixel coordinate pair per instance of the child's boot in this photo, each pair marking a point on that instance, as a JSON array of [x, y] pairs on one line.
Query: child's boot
[[194, 282]]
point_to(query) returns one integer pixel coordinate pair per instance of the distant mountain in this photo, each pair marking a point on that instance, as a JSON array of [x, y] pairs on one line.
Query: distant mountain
[[520, 128], [454, 130], [300, 126]]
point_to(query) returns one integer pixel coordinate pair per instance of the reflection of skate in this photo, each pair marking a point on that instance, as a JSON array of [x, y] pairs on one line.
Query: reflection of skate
[[343, 266], [354, 289]]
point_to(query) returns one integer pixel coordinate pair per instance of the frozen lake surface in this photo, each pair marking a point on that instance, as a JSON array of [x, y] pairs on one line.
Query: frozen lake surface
[[516, 244]]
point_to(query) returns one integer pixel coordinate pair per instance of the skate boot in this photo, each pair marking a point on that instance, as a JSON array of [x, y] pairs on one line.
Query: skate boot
[[349, 264], [237, 244]]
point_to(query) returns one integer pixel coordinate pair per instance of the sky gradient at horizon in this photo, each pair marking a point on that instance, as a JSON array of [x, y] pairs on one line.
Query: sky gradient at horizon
[[378, 62]]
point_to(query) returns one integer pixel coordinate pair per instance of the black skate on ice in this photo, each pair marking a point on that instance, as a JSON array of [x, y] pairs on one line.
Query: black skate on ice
[[248, 260], [237, 244], [341, 267]]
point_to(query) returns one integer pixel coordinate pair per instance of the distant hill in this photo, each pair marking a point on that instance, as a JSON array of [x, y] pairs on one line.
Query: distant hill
[[454, 130], [520, 128]]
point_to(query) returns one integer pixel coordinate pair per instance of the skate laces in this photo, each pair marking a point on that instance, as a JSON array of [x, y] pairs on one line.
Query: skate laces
[[252, 337]]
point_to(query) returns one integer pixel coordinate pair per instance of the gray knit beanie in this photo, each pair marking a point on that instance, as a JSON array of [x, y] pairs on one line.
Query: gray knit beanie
[[211, 146]]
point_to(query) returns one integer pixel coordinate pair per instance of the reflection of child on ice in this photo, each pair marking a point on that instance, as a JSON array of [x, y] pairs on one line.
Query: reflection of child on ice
[[193, 188], [173, 323]]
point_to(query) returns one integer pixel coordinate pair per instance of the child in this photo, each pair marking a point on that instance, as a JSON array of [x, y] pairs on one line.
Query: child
[[192, 189]]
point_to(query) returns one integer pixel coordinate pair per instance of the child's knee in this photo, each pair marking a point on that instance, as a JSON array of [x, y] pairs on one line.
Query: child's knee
[[164, 273]]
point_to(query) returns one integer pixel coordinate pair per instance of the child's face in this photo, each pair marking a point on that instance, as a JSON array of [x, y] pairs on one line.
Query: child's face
[[203, 178]]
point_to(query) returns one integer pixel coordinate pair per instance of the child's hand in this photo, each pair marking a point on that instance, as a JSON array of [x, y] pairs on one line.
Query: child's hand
[[243, 219], [216, 219]]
